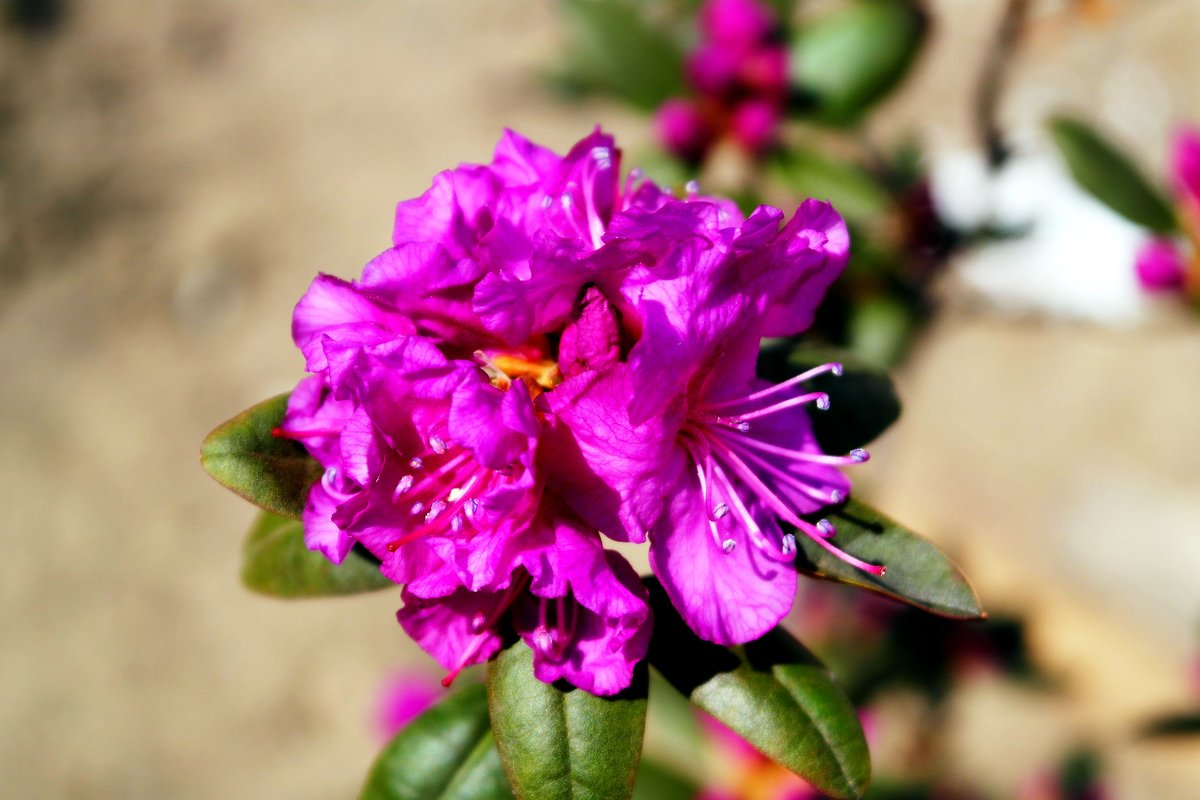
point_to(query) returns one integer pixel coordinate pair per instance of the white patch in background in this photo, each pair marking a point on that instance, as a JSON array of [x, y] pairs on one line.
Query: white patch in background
[[1129, 539], [1076, 258]]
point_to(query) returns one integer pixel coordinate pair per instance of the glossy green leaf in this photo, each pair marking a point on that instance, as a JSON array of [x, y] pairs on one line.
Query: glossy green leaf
[[1106, 173], [246, 456], [847, 60], [447, 753], [851, 189], [917, 572], [275, 561], [562, 743], [774, 694], [862, 401], [617, 49]]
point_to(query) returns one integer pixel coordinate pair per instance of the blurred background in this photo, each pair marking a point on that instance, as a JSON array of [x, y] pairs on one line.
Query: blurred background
[[172, 176]]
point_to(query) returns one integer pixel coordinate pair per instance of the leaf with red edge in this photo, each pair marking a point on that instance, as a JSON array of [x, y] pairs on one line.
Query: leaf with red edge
[[246, 456]]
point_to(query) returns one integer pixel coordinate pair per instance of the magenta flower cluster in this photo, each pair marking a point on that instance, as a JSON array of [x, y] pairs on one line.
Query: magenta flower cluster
[[739, 77], [1166, 264], [550, 355]]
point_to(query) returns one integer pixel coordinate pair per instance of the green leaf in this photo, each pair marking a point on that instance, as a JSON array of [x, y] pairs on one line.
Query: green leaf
[[851, 189], [917, 572], [775, 695], [847, 60], [880, 329], [246, 456], [657, 782], [559, 742], [275, 561], [447, 753], [1106, 173], [862, 401], [615, 48], [1172, 726]]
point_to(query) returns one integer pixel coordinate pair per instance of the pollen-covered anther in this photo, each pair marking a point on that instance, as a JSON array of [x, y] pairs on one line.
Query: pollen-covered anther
[[543, 640], [435, 508], [403, 485]]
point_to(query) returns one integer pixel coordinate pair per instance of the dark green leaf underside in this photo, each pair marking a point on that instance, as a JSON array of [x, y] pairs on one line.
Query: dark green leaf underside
[[862, 402], [277, 562], [657, 782]]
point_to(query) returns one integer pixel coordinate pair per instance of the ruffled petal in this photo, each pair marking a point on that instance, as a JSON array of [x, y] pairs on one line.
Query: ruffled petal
[[591, 598], [796, 269], [336, 308], [608, 470], [453, 629], [321, 533]]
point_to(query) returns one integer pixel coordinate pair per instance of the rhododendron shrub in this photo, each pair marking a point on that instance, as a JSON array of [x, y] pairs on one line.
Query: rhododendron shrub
[[550, 357]]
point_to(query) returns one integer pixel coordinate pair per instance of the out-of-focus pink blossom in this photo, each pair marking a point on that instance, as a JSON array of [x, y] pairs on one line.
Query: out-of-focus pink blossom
[[404, 697], [739, 76], [1185, 166], [683, 130], [1160, 266]]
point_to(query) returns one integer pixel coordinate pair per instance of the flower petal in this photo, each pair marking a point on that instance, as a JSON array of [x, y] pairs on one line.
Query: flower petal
[[726, 597], [608, 470], [447, 628]]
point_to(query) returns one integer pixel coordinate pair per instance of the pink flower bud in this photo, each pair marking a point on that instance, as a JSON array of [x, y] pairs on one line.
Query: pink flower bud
[[754, 125], [1160, 266], [683, 130]]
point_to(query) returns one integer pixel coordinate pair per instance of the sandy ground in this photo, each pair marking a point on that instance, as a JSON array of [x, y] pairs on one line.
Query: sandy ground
[[171, 177]]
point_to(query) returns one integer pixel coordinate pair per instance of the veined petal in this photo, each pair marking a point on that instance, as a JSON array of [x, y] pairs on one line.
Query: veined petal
[[587, 616], [451, 628], [796, 269], [321, 534], [331, 304], [728, 597], [607, 469]]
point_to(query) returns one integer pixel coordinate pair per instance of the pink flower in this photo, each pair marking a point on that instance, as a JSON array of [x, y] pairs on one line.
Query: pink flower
[[1169, 265], [1185, 166], [683, 130], [1160, 266], [546, 354], [739, 72], [682, 443], [404, 697]]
